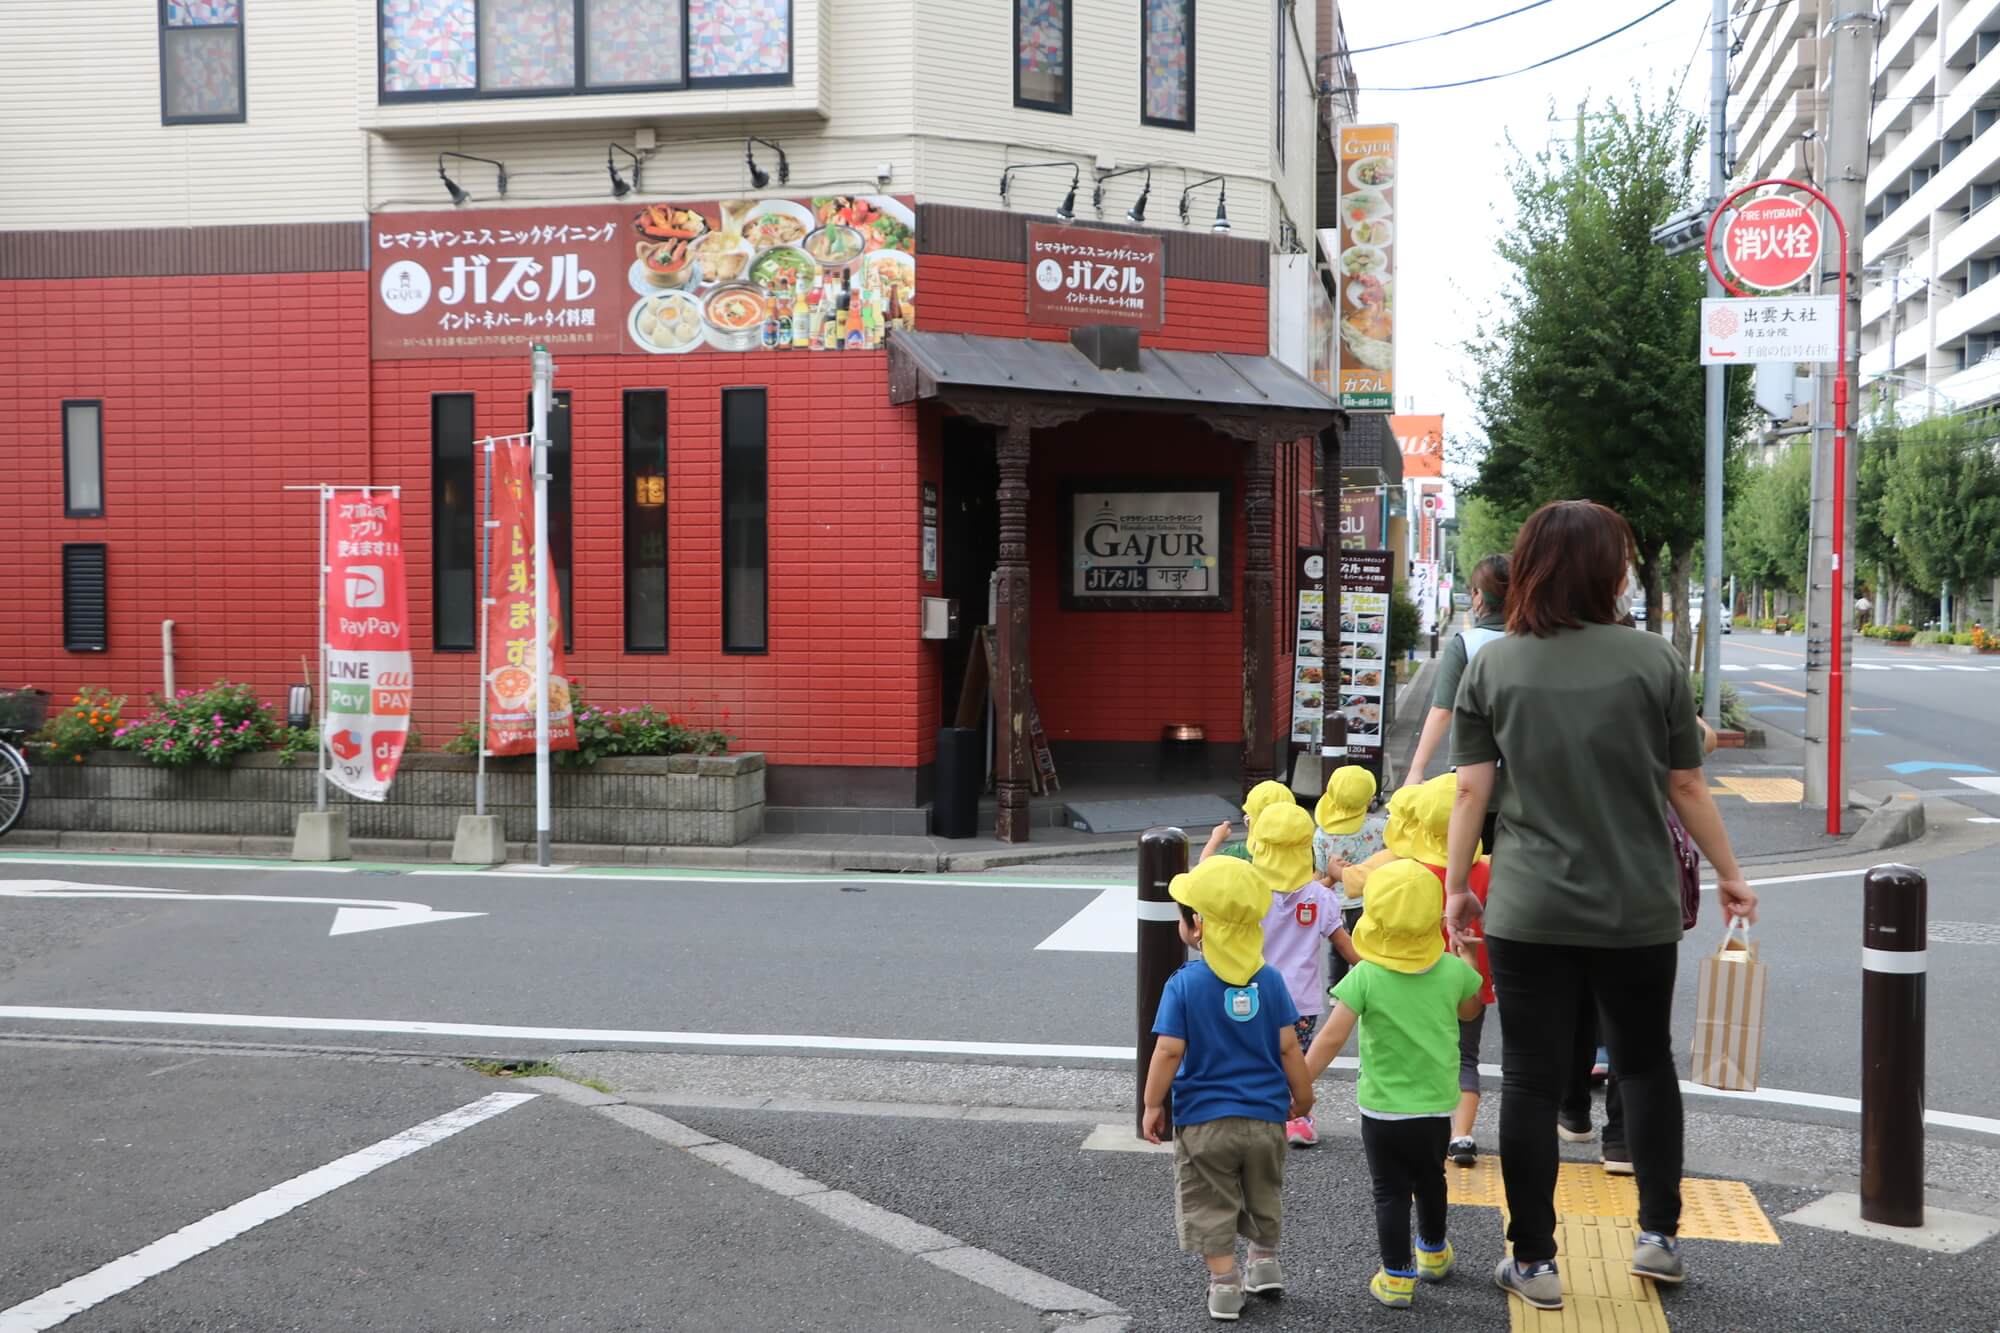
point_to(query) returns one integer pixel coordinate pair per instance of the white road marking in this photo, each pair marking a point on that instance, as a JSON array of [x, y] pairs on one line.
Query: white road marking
[[1869, 666], [1985, 784], [1107, 924], [351, 915], [54, 1306]]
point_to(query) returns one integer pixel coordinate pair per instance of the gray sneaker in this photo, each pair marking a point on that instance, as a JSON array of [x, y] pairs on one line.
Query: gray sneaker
[[1659, 1258], [1538, 1284], [1264, 1277], [1225, 1301]]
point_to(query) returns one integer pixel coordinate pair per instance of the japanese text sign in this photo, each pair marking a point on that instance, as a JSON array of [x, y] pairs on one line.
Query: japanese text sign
[[1361, 518], [1082, 275], [1163, 548], [510, 666], [1363, 667], [368, 673], [1736, 330], [1771, 243], [1366, 378]]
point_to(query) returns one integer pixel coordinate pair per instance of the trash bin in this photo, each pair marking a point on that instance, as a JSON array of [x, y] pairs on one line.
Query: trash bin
[[961, 769]]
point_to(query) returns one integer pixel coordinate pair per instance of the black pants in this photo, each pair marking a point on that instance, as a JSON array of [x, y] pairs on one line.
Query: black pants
[[1576, 1091], [1406, 1161], [1540, 988], [1336, 966]]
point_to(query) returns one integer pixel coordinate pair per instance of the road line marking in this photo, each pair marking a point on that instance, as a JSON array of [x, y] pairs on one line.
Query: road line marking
[[54, 1306], [1781, 652], [1990, 785], [1909, 766], [1782, 689], [1107, 924], [1868, 666], [351, 916]]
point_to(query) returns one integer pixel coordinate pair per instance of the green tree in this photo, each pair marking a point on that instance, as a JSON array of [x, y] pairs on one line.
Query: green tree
[[1765, 530], [1484, 528], [1587, 382], [1940, 504]]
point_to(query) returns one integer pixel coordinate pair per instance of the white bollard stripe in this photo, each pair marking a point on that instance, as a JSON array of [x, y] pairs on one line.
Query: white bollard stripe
[[1902, 961], [1168, 912]]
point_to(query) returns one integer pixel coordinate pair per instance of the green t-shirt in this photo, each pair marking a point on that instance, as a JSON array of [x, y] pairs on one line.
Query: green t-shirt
[[1409, 1034], [1451, 662], [1239, 850], [1587, 723]]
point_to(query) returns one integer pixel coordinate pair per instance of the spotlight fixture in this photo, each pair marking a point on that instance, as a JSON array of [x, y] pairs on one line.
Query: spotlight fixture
[[619, 186], [1221, 222], [1136, 213], [758, 176], [1068, 208], [458, 195]]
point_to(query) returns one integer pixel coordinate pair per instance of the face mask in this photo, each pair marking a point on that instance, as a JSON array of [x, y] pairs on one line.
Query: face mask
[[1628, 593]]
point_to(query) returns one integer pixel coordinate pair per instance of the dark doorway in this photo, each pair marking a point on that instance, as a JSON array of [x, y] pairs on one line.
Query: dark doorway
[[970, 542]]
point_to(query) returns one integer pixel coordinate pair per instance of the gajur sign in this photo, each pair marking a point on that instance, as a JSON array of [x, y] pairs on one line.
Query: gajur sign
[[1158, 549], [1083, 275], [1367, 372]]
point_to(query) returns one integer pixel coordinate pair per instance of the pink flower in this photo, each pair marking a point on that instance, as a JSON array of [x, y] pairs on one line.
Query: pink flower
[[119, 732]]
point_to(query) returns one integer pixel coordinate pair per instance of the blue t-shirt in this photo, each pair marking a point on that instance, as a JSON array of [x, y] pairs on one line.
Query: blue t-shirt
[[1231, 1067]]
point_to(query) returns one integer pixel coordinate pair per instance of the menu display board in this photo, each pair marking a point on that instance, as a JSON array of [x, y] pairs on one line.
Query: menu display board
[[1309, 661], [1364, 673]]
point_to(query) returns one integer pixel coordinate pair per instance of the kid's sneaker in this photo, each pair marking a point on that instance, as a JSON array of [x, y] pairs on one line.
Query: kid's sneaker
[[1300, 1132], [1435, 1265], [1538, 1284], [1658, 1257], [1463, 1151], [1264, 1277], [1225, 1301], [1395, 1290]]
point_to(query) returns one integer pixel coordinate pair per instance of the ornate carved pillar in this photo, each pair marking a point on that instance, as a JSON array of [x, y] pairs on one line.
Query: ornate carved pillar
[[1333, 723], [1258, 592], [1010, 686]]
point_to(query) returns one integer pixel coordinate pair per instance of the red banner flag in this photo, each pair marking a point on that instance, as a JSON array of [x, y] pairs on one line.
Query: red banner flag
[[509, 679], [368, 681]]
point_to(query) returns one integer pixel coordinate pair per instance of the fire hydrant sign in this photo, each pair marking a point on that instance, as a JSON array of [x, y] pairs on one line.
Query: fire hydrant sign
[[510, 617], [1083, 275], [368, 678], [1771, 243], [1740, 330]]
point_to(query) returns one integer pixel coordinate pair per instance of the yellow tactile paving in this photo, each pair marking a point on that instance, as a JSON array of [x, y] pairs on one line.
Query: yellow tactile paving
[[1600, 1295], [1766, 791], [1710, 1209]]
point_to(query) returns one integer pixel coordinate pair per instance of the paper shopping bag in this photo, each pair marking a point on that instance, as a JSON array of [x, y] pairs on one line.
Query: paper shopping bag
[[1729, 1014]]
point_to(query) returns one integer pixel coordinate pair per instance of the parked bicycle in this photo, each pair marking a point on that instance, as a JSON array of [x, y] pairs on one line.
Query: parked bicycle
[[21, 714]]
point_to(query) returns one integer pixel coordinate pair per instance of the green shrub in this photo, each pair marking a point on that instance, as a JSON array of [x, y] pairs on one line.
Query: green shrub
[[87, 724], [603, 733], [1733, 716], [1403, 622], [209, 726]]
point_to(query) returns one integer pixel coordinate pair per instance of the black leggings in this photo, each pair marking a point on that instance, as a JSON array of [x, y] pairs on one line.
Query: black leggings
[[1541, 987], [1405, 1162]]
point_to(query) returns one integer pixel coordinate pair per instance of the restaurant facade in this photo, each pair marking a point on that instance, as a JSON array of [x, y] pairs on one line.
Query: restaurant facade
[[825, 402]]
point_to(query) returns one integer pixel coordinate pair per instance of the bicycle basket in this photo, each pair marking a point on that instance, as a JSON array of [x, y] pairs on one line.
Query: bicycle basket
[[23, 711]]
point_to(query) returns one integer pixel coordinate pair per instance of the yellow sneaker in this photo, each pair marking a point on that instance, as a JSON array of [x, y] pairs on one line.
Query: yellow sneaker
[[1395, 1290], [1434, 1265]]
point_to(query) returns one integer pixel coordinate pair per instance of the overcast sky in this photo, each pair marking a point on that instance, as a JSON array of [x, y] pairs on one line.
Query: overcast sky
[[1454, 146]]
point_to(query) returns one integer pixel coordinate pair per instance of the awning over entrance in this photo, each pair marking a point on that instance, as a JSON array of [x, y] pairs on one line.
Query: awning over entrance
[[1240, 395]]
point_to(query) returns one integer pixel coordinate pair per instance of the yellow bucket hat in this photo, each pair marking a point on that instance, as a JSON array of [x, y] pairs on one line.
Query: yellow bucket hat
[[1402, 815], [1232, 901], [1345, 805], [1430, 830], [1281, 849], [1261, 798], [1403, 926]]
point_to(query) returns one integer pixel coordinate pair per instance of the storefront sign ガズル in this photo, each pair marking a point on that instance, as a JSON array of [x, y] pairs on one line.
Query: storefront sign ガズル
[[822, 273], [1083, 275], [1157, 549]]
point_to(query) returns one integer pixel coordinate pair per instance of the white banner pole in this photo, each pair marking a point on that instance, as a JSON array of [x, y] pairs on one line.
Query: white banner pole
[[325, 497], [485, 601], [543, 373]]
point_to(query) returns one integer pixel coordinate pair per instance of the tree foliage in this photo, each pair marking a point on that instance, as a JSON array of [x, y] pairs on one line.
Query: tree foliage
[[1939, 502], [1485, 527], [1765, 531]]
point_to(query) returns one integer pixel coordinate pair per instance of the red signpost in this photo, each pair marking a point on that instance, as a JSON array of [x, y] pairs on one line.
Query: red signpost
[[1780, 244]]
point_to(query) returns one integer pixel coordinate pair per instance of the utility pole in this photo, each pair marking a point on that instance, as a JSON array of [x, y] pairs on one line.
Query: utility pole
[[1850, 49], [1714, 387]]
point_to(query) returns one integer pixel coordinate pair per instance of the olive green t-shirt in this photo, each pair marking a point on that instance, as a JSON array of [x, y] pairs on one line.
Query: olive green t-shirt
[[1451, 662], [1587, 722]]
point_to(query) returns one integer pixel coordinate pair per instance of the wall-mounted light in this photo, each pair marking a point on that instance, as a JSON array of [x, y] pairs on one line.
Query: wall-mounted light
[[1137, 212], [619, 187], [649, 491], [1221, 222], [758, 176], [459, 196], [1067, 210]]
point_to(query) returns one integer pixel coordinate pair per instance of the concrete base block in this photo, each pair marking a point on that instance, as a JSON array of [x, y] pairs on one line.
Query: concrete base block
[[1943, 1231], [1899, 820], [480, 841], [321, 836]]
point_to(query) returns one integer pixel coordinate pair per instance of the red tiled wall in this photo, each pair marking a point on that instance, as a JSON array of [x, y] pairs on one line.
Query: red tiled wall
[[990, 297]]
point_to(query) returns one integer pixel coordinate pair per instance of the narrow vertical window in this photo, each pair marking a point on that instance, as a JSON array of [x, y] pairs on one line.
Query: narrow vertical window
[[201, 62], [83, 459], [1041, 54], [1284, 68], [86, 609], [561, 532], [645, 520], [745, 523], [1166, 72], [455, 506]]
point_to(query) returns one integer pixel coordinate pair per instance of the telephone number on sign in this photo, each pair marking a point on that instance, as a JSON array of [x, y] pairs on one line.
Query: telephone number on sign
[[1144, 579]]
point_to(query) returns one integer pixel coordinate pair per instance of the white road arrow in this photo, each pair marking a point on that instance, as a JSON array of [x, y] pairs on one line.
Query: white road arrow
[[351, 917]]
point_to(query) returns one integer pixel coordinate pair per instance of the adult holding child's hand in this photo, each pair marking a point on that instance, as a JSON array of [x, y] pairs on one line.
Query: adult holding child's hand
[[1595, 725]]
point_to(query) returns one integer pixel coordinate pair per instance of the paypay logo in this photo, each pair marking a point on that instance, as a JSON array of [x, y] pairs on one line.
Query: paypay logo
[[364, 586]]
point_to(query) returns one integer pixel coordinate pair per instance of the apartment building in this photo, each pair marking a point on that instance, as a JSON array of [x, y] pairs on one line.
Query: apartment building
[[246, 245]]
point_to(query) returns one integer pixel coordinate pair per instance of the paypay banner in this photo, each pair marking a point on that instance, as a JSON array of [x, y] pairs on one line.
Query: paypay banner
[[368, 677]]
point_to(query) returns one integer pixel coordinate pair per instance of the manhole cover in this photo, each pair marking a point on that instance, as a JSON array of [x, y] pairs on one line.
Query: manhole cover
[[1965, 932]]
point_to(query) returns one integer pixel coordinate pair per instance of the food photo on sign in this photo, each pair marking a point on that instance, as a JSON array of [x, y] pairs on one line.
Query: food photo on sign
[[1366, 268]]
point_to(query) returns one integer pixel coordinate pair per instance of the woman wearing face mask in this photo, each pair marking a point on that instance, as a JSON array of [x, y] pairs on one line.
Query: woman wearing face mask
[[1596, 727], [1489, 623]]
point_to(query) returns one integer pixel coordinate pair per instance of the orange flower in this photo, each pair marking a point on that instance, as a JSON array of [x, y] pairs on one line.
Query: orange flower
[[79, 759]]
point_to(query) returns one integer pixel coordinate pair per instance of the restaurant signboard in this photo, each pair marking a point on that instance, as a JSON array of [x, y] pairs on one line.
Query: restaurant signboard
[[1361, 518], [1368, 223], [1086, 275], [824, 273], [1160, 548]]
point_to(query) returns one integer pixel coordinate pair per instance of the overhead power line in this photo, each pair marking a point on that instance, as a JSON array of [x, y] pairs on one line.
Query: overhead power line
[[1463, 27], [1539, 64]]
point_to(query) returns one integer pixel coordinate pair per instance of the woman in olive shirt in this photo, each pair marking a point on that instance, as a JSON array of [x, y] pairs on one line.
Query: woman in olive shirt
[[1595, 725]]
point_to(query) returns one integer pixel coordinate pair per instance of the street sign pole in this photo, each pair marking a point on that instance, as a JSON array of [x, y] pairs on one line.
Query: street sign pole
[[1716, 386], [544, 372]]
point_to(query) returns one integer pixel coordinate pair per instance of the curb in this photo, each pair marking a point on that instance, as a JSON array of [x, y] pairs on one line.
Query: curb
[[1898, 820]]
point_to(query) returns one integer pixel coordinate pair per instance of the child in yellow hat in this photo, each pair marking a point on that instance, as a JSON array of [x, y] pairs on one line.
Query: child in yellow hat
[[1304, 914], [1257, 800], [1406, 995], [1228, 1050], [1348, 834]]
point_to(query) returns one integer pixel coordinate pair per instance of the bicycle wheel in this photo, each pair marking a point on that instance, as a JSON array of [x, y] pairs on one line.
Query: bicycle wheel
[[13, 786]]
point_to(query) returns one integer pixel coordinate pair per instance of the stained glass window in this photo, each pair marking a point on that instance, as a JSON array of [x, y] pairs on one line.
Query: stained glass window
[[632, 42], [1041, 54], [428, 46], [739, 39], [527, 44], [201, 61], [1168, 74]]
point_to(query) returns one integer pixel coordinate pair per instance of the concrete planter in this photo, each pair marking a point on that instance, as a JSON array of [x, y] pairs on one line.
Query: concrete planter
[[679, 800]]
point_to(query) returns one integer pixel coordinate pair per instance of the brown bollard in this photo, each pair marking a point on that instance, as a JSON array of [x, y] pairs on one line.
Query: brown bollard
[[1894, 963], [1163, 853]]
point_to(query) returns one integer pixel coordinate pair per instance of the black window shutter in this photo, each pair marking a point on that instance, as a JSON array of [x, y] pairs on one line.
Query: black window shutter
[[86, 605]]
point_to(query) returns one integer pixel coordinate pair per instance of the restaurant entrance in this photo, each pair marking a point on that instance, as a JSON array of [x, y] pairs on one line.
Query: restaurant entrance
[[971, 544]]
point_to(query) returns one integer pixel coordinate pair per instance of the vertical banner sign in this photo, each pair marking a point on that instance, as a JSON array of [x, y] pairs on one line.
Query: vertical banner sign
[[1361, 518], [368, 681], [1367, 374], [1423, 591], [1309, 661], [1364, 647], [510, 619]]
